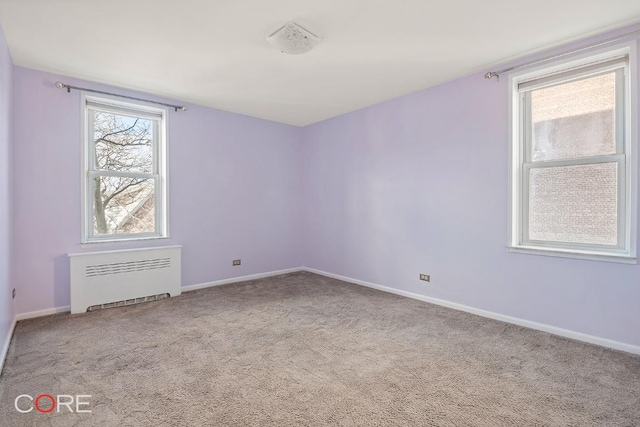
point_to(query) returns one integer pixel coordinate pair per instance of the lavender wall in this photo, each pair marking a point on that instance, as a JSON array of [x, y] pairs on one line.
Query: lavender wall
[[234, 192], [419, 184], [6, 304]]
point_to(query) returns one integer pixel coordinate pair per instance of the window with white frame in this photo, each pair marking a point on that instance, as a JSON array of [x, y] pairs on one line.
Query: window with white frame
[[124, 171], [573, 158]]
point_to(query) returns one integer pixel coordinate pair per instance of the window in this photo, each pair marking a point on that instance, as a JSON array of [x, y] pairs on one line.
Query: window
[[573, 158], [124, 174]]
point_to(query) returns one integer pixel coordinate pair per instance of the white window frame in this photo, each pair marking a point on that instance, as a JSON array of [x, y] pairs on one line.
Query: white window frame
[[159, 175], [626, 156]]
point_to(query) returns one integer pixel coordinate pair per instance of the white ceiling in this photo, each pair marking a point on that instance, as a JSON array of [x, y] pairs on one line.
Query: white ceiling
[[214, 52]]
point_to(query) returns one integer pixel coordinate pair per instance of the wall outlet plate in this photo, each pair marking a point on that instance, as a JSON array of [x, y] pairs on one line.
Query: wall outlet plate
[[235, 262], [425, 277]]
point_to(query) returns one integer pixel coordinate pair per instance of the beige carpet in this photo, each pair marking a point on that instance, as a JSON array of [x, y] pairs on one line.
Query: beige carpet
[[302, 349]]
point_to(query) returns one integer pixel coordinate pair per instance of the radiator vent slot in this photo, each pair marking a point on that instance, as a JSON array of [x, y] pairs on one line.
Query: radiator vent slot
[[127, 267], [128, 302]]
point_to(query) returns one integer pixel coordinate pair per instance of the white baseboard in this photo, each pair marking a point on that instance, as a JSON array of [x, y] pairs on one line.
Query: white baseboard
[[5, 344], [239, 279], [45, 312], [604, 342]]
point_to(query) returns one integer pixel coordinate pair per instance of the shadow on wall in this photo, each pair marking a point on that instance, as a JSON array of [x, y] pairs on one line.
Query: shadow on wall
[[62, 281]]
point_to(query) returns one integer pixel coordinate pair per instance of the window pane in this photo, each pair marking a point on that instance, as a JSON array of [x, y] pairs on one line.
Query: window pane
[[575, 119], [123, 205], [576, 204], [123, 143]]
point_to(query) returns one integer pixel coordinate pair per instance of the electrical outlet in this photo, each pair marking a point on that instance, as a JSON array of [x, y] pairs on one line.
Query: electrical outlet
[[13, 293], [236, 262], [425, 277]]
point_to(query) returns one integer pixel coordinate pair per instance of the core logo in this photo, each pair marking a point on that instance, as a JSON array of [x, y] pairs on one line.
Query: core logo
[[46, 403]]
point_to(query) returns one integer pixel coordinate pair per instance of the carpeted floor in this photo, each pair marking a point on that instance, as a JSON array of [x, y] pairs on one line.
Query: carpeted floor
[[303, 349]]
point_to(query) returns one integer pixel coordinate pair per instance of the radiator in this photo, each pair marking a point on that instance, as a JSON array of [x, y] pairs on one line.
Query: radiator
[[114, 278]]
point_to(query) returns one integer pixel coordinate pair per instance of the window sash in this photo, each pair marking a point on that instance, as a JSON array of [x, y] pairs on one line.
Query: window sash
[[158, 117], [620, 157], [526, 127], [91, 175], [91, 132], [620, 160]]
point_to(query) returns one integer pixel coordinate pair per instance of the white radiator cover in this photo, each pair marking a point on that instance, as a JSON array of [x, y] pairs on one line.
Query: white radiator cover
[[106, 277]]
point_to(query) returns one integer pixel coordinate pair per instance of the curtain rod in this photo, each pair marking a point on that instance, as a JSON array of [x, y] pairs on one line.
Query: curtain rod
[[492, 74], [61, 85]]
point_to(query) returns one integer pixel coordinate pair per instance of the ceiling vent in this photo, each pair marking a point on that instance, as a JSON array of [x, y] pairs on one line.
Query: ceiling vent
[[293, 39]]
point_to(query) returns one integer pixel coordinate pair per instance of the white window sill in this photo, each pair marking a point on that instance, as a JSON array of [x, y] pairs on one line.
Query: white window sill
[[576, 254], [128, 239]]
